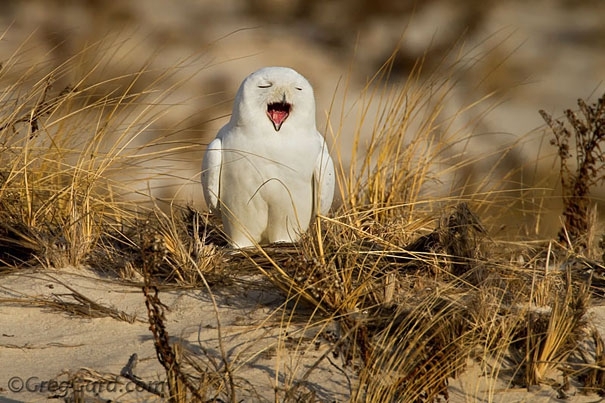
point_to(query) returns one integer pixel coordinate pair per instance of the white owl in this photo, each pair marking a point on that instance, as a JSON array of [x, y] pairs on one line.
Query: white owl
[[268, 171]]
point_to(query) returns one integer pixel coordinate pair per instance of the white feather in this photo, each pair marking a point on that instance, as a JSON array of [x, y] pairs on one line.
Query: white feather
[[211, 173], [325, 178], [269, 171]]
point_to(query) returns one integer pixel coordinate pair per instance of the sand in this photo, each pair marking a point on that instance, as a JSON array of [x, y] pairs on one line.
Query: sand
[[42, 347]]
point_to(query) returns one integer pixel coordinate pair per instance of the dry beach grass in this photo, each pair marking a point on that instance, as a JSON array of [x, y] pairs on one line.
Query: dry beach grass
[[399, 291]]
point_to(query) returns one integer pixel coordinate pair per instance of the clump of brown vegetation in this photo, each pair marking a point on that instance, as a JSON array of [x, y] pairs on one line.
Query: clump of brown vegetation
[[588, 134], [414, 285]]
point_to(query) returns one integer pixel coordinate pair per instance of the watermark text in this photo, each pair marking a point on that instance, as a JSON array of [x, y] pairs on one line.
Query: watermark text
[[58, 388]]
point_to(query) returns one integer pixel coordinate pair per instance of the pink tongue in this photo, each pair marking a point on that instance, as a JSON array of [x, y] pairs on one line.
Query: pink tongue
[[278, 117]]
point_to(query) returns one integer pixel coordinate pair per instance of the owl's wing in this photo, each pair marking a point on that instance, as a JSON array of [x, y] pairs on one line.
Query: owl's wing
[[211, 174], [324, 180]]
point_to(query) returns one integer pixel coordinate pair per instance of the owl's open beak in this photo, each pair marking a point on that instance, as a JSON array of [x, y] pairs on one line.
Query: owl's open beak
[[278, 112]]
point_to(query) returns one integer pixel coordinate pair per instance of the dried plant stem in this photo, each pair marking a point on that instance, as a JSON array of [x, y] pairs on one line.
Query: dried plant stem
[[588, 134]]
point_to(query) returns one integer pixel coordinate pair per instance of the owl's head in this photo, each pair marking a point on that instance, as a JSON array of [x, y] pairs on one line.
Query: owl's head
[[275, 98]]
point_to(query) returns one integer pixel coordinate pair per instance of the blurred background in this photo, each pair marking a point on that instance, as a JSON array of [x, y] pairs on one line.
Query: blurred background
[[524, 56]]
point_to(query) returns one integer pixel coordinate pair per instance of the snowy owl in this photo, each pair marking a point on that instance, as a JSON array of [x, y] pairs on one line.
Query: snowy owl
[[268, 171]]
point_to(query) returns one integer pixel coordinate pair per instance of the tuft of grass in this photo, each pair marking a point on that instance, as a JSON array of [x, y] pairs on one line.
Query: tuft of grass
[[551, 331], [68, 153], [592, 373]]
